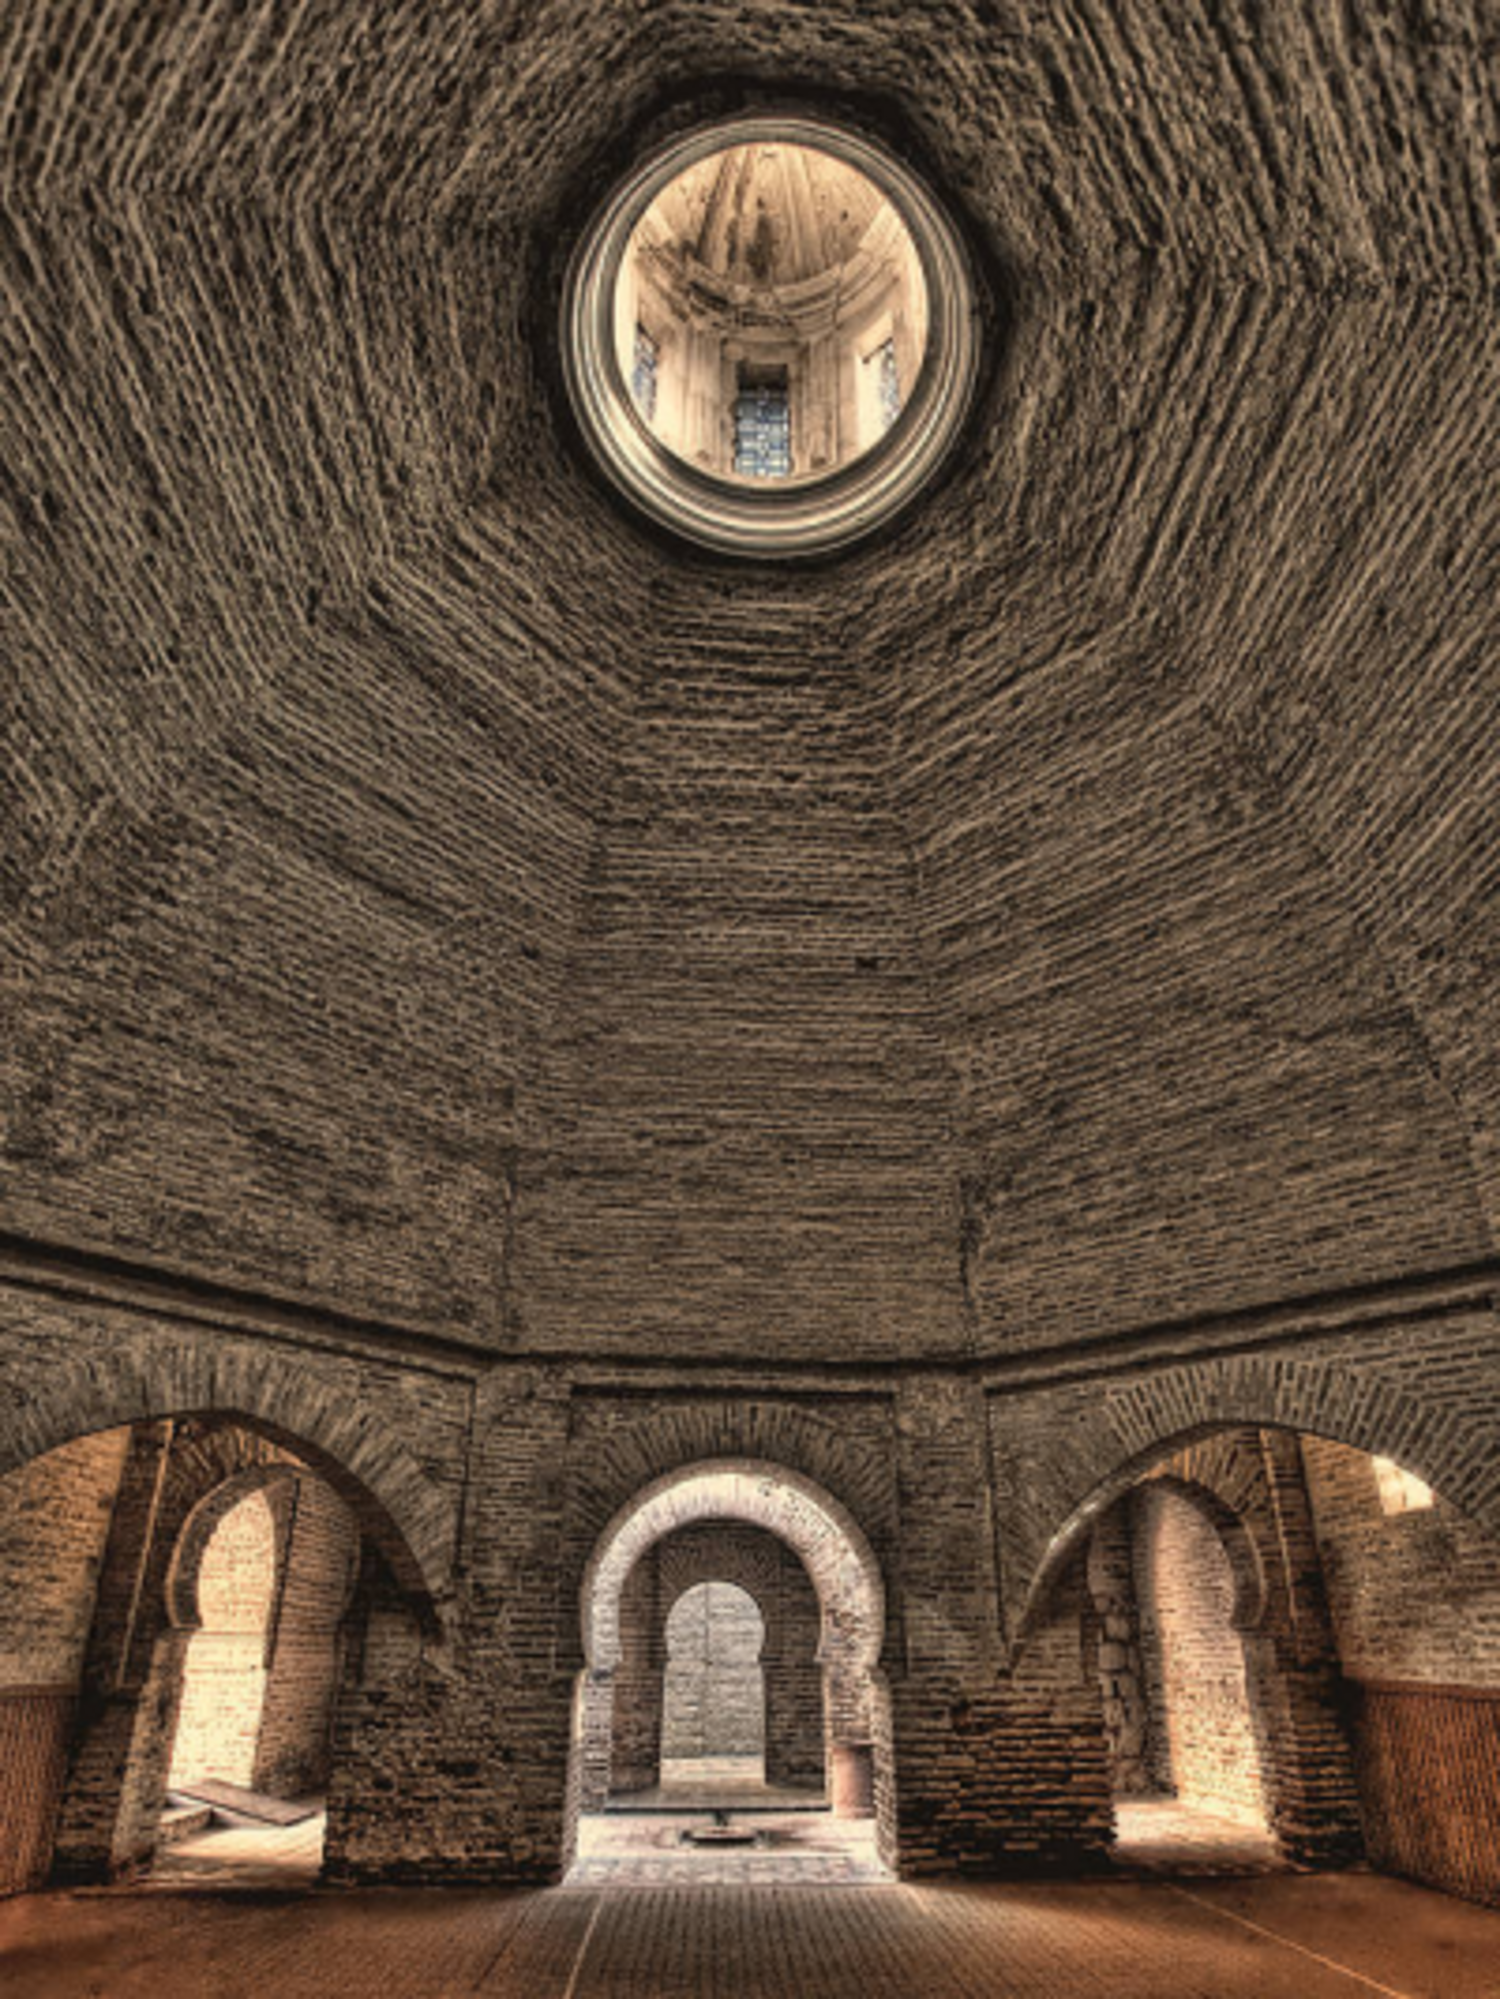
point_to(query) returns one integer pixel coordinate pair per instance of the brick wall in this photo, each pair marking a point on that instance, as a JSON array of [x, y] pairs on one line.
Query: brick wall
[[1428, 1760], [1128, 1720], [632, 1750], [996, 1769], [451, 1743], [54, 1516], [1415, 1598], [319, 1566], [34, 1731], [1201, 1744], [688, 805], [1012, 1775], [224, 1676]]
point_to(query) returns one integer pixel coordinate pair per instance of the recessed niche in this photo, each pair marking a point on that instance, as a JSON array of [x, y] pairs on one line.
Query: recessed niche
[[770, 335]]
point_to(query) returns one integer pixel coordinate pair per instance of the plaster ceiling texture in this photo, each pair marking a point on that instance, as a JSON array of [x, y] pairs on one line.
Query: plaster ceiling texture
[[428, 893]]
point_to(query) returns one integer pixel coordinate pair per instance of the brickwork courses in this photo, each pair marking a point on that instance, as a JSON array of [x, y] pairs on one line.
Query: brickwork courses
[[54, 1520], [1204, 1743], [196, 1584], [790, 1685], [984, 1043], [1415, 1598]]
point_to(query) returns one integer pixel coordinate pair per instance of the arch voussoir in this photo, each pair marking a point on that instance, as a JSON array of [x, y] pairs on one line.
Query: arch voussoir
[[329, 1424]]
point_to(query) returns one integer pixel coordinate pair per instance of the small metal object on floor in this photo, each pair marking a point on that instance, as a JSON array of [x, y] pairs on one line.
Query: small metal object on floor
[[721, 1833]]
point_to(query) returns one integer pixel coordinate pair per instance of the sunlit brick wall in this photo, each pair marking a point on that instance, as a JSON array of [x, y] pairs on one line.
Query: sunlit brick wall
[[1202, 1742], [1415, 1595], [54, 1515], [224, 1688]]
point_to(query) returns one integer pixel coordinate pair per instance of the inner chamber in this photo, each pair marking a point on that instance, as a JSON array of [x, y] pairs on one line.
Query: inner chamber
[[771, 314]]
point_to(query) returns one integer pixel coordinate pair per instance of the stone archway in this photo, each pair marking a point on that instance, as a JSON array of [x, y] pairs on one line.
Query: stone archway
[[1243, 1570], [794, 1748], [1116, 1438], [851, 1597], [398, 1506], [261, 1584], [177, 1479]]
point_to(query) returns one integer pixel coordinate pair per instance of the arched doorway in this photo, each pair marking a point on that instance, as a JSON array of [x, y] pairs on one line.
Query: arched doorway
[[264, 1573], [1204, 1744], [173, 1599], [1176, 1593], [787, 1677], [224, 1669], [843, 1699], [1295, 1634]]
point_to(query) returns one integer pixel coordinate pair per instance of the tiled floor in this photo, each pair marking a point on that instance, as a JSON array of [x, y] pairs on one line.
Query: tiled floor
[[1276, 1937], [792, 1849]]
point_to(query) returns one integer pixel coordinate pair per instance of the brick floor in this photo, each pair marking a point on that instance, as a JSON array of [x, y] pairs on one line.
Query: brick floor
[[1278, 1937], [801, 1848], [1161, 1836]]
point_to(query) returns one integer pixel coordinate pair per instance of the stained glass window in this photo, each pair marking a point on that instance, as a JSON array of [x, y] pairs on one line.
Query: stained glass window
[[643, 374], [763, 424], [887, 383]]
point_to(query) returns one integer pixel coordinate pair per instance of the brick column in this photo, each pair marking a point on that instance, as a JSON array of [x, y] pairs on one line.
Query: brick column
[[995, 1772], [1298, 1696], [639, 1681], [1110, 1567], [595, 1723], [132, 1686], [795, 1719], [451, 1751]]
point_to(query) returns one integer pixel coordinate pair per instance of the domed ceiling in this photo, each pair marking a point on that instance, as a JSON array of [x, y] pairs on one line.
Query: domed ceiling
[[761, 216], [428, 895]]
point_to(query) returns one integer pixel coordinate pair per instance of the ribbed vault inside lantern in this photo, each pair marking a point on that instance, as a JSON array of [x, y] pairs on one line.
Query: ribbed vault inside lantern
[[770, 335]]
